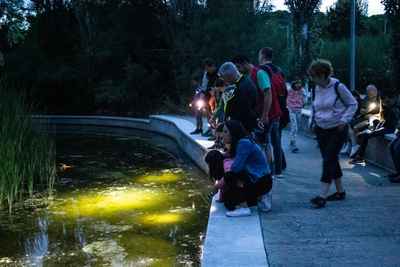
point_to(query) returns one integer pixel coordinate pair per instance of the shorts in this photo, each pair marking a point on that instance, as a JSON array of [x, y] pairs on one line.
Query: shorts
[[263, 137]]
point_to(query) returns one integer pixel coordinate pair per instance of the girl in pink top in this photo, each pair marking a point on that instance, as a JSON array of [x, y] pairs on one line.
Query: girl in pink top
[[295, 101], [218, 164]]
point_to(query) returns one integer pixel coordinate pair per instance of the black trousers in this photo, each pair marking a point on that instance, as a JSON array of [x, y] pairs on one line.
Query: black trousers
[[248, 193]]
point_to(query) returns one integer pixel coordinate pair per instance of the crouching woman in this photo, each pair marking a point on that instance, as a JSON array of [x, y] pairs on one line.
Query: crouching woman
[[249, 179]]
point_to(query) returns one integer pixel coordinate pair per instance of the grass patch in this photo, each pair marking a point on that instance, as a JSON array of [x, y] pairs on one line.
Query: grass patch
[[27, 156]]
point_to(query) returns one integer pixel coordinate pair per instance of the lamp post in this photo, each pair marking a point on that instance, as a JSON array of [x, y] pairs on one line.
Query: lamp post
[[352, 43]]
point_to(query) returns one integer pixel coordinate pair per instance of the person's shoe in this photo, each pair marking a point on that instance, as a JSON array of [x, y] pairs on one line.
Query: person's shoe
[[395, 180], [354, 151], [346, 149], [266, 201], [319, 201], [279, 175], [356, 160], [239, 212], [336, 196], [294, 149], [197, 131], [207, 133], [393, 175]]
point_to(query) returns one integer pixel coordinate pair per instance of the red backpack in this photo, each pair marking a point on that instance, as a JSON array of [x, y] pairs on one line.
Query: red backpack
[[278, 83]]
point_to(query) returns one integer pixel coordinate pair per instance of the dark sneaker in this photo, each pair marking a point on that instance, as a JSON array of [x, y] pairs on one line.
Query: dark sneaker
[[395, 180], [207, 134], [319, 201], [336, 196], [393, 175], [357, 160], [197, 131]]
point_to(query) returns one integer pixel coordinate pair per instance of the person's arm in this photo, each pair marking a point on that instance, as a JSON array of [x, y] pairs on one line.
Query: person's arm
[[265, 87], [350, 103], [218, 112], [242, 152]]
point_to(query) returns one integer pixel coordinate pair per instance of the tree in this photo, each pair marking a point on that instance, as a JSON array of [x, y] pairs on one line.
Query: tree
[[12, 23], [338, 16], [306, 44], [392, 12]]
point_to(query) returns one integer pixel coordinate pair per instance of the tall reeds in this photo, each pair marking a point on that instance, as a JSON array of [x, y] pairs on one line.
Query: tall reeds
[[27, 158]]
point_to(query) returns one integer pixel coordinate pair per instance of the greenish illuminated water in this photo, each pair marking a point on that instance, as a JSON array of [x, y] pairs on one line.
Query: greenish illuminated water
[[119, 202]]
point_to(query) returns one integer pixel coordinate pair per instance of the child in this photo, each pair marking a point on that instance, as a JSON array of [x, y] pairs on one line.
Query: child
[[199, 104], [218, 165], [218, 141], [295, 101]]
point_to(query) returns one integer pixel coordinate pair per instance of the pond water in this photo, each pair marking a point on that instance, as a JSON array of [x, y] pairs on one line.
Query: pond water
[[118, 202]]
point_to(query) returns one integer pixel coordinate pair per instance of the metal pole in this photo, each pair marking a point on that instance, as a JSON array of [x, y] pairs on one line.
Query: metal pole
[[352, 44]]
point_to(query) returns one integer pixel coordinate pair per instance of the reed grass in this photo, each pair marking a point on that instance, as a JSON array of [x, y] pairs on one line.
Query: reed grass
[[27, 158]]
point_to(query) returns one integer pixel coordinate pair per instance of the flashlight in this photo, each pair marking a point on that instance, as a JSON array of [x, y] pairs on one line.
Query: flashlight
[[200, 104], [372, 106]]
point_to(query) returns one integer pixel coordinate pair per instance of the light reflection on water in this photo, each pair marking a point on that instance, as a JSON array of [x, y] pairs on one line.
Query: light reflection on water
[[117, 203]]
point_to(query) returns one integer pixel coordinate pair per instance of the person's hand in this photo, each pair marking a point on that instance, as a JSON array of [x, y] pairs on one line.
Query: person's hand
[[341, 125], [212, 123], [265, 120], [260, 125], [214, 191]]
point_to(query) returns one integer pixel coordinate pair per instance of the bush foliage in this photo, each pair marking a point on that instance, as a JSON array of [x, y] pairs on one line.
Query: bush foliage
[[135, 58]]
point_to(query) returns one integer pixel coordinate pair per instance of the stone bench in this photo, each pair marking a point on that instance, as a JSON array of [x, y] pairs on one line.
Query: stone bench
[[377, 151]]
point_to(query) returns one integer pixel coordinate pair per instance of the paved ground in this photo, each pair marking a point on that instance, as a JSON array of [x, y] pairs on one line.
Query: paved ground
[[362, 230]]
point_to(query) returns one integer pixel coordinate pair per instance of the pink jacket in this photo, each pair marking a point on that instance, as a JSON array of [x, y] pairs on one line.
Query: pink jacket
[[221, 183], [328, 110]]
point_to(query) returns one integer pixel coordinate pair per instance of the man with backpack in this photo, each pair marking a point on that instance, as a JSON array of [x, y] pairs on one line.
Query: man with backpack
[[268, 109], [279, 88]]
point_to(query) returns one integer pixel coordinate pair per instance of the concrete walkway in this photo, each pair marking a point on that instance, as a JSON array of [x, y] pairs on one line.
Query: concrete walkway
[[362, 230]]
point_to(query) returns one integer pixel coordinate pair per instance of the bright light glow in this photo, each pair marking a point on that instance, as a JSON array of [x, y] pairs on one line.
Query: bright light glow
[[200, 104], [168, 177], [372, 105], [160, 218], [110, 202]]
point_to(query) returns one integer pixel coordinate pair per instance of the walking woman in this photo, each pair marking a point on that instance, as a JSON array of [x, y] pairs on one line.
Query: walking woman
[[249, 179], [332, 108]]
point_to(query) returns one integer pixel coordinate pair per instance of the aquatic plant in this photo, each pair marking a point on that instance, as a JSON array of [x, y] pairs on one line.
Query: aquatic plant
[[26, 149]]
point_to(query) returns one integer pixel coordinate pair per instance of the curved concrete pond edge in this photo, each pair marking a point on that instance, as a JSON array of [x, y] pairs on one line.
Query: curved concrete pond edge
[[229, 241]]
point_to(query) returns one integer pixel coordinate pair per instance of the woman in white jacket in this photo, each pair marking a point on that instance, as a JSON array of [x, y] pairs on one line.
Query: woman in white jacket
[[332, 108]]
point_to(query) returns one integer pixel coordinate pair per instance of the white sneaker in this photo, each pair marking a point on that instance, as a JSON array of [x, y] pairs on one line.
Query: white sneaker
[[346, 149], [354, 151], [239, 212], [266, 202], [278, 175]]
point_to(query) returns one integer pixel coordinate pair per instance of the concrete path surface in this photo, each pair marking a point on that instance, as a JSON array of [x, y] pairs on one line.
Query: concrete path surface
[[363, 230]]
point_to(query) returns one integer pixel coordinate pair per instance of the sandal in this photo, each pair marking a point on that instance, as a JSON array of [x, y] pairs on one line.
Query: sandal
[[337, 196], [319, 201]]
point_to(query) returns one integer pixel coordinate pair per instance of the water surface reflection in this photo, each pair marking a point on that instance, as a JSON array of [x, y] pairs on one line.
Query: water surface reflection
[[119, 202]]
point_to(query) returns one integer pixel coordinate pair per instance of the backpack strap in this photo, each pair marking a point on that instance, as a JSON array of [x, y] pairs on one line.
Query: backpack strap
[[337, 92]]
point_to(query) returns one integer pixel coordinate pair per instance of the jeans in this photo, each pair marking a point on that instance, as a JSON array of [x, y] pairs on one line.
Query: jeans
[[366, 136], [248, 193], [330, 142], [271, 135], [394, 148]]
